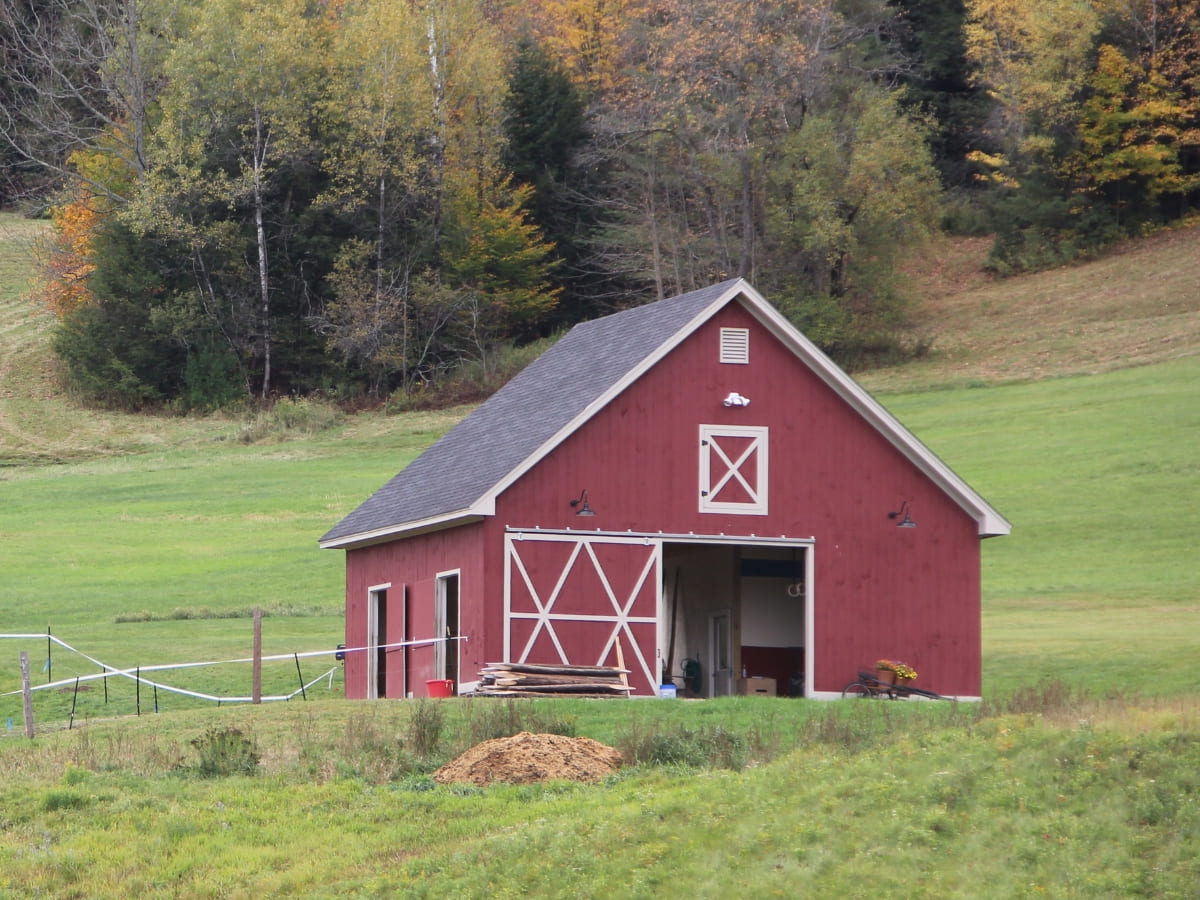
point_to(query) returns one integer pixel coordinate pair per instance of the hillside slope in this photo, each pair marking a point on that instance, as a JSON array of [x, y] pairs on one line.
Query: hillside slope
[[1139, 304]]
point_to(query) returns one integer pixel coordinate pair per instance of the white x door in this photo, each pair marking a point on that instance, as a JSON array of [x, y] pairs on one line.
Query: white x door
[[733, 469], [570, 598]]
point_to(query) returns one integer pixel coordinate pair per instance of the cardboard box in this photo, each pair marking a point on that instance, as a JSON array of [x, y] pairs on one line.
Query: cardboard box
[[757, 687]]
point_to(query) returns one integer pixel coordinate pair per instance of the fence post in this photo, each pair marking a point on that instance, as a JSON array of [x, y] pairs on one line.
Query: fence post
[[74, 700], [256, 675], [303, 693], [27, 694]]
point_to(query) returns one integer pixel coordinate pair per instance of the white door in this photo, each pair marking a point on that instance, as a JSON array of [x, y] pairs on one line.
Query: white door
[[721, 654], [376, 641], [445, 627]]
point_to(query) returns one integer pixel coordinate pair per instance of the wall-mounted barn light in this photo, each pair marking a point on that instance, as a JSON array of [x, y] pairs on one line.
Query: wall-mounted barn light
[[907, 521], [582, 502], [736, 399]]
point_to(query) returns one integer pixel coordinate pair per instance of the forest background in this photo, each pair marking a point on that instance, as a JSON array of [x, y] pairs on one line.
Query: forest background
[[368, 198]]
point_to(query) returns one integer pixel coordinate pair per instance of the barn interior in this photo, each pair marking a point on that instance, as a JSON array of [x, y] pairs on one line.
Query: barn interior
[[733, 618]]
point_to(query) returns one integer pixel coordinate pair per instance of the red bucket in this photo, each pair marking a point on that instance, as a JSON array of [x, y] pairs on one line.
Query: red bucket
[[440, 687]]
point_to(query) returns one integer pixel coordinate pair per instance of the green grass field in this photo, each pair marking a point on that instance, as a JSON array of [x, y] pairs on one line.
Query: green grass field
[[142, 540]]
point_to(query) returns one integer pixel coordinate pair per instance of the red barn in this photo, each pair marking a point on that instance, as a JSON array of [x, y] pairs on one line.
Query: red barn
[[693, 479]]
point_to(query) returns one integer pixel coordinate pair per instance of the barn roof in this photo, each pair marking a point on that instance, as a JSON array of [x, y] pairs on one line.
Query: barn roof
[[458, 478]]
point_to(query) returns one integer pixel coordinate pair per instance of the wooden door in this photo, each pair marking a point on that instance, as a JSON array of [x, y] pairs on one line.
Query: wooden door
[[570, 598]]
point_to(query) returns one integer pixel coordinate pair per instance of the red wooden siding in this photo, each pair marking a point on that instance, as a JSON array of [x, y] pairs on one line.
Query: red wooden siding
[[880, 590], [416, 562]]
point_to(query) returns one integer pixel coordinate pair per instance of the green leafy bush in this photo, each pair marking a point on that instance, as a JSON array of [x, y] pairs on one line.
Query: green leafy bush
[[226, 751]]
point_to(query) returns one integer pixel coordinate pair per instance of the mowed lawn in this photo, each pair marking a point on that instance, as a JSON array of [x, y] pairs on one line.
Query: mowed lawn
[[148, 559], [137, 559], [1097, 584]]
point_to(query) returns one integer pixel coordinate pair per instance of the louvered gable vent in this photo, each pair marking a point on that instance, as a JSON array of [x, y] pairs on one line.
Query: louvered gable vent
[[735, 345]]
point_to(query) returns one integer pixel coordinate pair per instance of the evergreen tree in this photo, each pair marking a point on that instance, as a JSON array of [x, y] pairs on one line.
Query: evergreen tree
[[939, 82], [545, 127]]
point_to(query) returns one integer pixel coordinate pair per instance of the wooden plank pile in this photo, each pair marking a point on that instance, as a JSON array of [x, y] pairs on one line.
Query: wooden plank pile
[[533, 680]]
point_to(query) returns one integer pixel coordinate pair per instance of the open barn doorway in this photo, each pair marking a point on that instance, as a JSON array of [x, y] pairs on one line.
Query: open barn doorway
[[736, 617]]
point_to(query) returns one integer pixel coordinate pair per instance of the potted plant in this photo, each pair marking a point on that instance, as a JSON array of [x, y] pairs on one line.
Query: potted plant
[[892, 672]]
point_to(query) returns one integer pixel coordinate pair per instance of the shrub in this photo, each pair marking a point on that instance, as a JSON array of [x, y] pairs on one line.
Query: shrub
[[226, 751], [425, 726], [712, 746], [299, 415], [368, 748]]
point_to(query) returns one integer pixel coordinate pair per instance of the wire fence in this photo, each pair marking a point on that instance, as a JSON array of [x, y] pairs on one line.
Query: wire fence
[[153, 685]]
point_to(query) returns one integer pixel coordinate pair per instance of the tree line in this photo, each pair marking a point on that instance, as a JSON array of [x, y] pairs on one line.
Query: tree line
[[363, 196]]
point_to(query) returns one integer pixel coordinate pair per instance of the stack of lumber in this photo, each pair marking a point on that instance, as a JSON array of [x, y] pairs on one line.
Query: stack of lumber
[[532, 680]]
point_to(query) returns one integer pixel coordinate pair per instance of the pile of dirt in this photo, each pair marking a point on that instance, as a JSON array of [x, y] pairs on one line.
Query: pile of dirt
[[526, 758]]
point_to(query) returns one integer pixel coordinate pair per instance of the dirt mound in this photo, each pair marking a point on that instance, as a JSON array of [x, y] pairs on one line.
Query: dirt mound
[[526, 758]]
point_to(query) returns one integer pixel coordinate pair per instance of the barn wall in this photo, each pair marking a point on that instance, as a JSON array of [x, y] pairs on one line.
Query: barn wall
[[879, 590], [411, 566]]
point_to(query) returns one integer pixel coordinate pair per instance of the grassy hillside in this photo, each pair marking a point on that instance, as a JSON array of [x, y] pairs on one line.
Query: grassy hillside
[[1138, 305], [147, 540]]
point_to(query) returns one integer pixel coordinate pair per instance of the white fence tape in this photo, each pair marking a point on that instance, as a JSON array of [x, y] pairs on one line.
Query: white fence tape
[[134, 673]]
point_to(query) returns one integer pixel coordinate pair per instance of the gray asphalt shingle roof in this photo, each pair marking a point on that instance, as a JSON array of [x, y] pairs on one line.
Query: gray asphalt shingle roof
[[497, 437]]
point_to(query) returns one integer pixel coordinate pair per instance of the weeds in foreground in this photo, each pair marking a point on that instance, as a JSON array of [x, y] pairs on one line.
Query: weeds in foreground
[[224, 752], [709, 746], [290, 417], [488, 718], [426, 722]]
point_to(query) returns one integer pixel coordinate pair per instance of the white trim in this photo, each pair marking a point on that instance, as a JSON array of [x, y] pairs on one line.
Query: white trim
[[545, 616], [709, 443], [476, 513], [605, 398], [810, 618], [749, 540], [375, 640], [990, 522], [440, 614]]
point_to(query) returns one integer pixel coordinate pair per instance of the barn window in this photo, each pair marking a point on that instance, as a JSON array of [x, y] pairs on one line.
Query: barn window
[[735, 345], [733, 469]]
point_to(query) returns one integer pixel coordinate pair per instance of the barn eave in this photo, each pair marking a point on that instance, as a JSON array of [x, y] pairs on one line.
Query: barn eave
[[989, 522], [407, 529]]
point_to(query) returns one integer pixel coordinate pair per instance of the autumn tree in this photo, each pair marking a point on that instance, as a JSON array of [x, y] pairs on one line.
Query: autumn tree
[[1129, 138], [502, 262], [855, 191], [378, 129], [233, 159]]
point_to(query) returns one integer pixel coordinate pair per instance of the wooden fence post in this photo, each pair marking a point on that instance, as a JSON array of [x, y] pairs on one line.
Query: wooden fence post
[[256, 673], [27, 694]]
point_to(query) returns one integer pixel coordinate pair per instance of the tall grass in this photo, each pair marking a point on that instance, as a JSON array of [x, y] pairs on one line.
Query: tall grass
[[853, 799]]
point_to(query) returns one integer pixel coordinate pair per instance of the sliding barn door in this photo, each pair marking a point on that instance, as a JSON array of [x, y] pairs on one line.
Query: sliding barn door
[[570, 598]]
